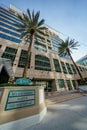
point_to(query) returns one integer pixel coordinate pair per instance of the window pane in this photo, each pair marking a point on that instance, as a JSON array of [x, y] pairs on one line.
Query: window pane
[[22, 59], [63, 67], [42, 63], [69, 68], [69, 84], [10, 53], [57, 65], [61, 83]]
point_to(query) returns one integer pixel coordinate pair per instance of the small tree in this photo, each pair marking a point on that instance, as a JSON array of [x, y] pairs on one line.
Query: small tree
[[28, 27], [65, 48]]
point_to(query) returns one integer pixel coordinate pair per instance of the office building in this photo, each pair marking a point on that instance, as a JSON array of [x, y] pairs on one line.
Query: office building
[[45, 66], [83, 60]]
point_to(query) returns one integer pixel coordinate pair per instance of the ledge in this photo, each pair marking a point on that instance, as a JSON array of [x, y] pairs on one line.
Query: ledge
[[25, 122]]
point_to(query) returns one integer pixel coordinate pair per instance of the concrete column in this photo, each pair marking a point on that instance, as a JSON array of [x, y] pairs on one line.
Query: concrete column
[[72, 84], [51, 62], [76, 83], [60, 65], [57, 85], [66, 87], [54, 85], [15, 64]]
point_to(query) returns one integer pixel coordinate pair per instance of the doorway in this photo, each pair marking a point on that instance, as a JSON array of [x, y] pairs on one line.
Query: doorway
[[4, 77], [48, 86]]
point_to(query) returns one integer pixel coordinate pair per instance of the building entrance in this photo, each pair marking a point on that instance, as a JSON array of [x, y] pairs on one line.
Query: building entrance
[[48, 86], [4, 77]]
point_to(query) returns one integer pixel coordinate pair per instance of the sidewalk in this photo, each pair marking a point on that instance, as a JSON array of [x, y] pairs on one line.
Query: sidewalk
[[69, 115], [62, 97]]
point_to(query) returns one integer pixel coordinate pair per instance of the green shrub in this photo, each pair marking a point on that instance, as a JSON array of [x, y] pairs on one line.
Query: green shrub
[[11, 85]]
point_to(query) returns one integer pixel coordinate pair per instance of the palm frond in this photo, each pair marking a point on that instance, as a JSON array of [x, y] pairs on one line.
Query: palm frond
[[41, 22], [67, 41], [39, 31], [75, 45], [25, 19], [23, 34], [67, 46], [29, 14], [37, 17], [29, 21], [33, 15], [41, 28]]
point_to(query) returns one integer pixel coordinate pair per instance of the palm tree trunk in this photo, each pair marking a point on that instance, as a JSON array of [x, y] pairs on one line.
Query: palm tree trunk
[[28, 55], [75, 65]]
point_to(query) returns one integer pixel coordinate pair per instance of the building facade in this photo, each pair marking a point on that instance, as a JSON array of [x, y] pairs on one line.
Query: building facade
[[45, 66], [82, 61]]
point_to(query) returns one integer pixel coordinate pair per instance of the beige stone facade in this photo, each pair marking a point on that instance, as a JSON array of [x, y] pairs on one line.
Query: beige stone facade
[[43, 46], [41, 75]]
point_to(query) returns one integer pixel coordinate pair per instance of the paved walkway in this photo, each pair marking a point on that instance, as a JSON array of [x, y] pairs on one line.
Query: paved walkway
[[70, 115]]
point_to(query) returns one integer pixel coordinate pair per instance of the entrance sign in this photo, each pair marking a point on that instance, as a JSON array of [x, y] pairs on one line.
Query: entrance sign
[[23, 81], [20, 98]]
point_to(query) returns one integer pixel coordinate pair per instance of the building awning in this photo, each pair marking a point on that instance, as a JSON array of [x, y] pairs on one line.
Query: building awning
[[6, 64]]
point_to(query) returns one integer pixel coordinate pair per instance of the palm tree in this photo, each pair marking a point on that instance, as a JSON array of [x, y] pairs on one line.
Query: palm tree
[[30, 25], [65, 48]]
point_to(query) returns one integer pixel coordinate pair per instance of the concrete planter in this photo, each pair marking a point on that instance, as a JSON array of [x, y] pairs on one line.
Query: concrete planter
[[21, 107]]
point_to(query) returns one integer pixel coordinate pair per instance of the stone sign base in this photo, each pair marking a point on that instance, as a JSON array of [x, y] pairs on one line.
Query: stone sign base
[[21, 107]]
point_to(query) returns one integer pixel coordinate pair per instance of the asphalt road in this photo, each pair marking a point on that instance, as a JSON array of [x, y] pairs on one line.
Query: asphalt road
[[70, 115]]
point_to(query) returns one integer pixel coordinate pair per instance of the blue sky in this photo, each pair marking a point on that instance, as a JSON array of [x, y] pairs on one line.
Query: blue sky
[[66, 16]]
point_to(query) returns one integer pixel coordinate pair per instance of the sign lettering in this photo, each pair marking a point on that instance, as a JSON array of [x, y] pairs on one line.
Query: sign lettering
[[23, 81], [20, 98]]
